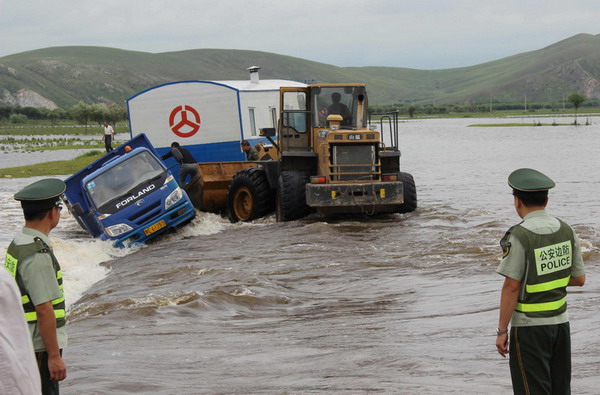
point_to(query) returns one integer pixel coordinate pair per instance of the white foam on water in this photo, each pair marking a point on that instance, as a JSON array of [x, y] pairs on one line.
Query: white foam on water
[[82, 257], [171, 299], [204, 224], [243, 292], [586, 245], [204, 271], [79, 255], [81, 263]]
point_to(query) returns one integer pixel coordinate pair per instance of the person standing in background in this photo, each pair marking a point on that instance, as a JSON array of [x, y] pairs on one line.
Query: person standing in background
[[109, 135]]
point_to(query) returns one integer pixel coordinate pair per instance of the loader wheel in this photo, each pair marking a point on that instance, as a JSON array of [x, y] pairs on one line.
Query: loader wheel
[[249, 195], [410, 193], [291, 195]]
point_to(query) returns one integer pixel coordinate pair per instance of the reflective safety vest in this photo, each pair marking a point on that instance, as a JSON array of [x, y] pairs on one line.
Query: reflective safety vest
[[549, 258], [17, 253]]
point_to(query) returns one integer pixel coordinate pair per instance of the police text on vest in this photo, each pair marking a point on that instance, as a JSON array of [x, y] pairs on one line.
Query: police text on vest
[[553, 258]]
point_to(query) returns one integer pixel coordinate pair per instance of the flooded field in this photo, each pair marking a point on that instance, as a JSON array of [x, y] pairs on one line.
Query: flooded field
[[403, 304]]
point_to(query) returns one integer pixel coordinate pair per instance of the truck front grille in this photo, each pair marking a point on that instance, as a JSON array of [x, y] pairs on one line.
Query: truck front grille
[[145, 212], [355, 162]]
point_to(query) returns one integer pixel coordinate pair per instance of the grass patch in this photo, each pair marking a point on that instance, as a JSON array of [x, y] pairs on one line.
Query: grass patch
[[568, 113], [50, 145], [68, 147], [492, 125], [55, 168]]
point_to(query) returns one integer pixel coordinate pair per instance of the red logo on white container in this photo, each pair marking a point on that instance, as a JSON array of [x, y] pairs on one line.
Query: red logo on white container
[[184, 121]]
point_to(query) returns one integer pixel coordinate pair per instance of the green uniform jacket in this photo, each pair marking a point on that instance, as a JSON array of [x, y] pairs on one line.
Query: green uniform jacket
[[252, 154], [40, 280], [514, 263], [548, 270]]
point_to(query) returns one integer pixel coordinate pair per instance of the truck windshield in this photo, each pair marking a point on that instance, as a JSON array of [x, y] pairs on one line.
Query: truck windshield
[[340, 100], [122, 178]]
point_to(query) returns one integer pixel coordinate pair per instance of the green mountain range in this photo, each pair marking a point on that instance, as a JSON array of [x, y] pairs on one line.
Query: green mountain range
[[63, 76]]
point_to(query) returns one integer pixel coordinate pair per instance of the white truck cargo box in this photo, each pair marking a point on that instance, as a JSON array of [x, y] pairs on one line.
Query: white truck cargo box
[[209, 118]]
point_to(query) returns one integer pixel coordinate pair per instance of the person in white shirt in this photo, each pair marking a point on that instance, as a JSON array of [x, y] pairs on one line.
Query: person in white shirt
[[109, 135], [18, 369]]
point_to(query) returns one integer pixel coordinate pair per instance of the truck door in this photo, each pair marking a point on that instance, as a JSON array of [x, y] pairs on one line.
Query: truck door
[[295, 120]]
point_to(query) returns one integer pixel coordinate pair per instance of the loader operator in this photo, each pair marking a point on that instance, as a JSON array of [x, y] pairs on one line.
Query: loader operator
[[189, 166], [339, 108]]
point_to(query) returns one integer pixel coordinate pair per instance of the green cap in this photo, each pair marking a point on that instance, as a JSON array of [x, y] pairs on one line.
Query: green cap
[[42, 194], [530, 180]]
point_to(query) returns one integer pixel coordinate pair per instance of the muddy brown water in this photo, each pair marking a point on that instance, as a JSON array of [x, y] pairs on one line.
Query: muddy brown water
[[402, 304]]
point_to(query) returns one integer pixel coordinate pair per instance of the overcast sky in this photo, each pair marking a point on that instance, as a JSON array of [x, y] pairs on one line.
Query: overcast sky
[[422, 34]]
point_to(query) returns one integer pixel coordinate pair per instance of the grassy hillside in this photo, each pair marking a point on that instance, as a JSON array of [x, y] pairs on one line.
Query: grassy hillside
[[544, 75], [66, 75]]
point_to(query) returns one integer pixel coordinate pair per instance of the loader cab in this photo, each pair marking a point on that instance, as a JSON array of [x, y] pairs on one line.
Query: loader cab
[[331, 160], [350, 102], [304, 111]]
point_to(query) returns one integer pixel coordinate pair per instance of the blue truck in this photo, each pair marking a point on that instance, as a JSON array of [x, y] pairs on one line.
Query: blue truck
[[128, 196]]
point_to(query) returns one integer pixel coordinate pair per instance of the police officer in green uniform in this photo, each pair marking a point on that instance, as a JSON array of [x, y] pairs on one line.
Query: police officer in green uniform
[[541, 257], [32, 263]]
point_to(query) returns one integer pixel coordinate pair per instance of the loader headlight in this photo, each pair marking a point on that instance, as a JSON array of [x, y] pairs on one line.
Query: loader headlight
[[118, 229], [173, 198]]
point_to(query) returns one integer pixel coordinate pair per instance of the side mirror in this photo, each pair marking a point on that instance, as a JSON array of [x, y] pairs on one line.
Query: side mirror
[[267, 132]]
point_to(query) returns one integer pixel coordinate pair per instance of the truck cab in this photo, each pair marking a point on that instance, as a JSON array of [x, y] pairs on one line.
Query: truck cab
[[128, 196]]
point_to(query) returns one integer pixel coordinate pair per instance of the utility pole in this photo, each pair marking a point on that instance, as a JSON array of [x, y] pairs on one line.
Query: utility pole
[[490, 103], [526, 102]]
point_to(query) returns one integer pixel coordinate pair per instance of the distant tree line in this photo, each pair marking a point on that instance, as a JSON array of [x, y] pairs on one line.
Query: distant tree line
[[84, 113], [576, 100], [430, 109], [81, 113]]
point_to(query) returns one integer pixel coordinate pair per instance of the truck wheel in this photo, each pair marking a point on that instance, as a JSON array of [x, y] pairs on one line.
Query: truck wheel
[[410, 193], [291, 196], [249, 195]]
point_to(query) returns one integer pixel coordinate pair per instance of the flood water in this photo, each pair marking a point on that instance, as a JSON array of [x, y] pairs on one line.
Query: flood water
[[403, 304]]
